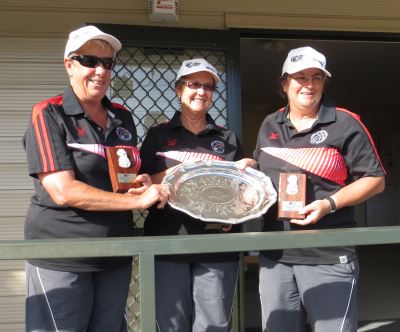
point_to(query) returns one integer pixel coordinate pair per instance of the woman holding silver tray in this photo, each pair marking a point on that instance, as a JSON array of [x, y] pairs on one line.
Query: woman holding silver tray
[[193, 292], [329, 150]]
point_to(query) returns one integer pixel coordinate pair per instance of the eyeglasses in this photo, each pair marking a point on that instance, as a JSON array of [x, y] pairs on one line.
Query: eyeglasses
[[316, 79], [198, 85], [91, 61]]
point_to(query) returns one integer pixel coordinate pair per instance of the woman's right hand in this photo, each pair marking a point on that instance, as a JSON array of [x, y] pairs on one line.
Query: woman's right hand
[[151, 195], [247, 162]]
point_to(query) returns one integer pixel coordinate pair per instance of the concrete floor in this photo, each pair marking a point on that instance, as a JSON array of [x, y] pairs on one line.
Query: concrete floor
[[379, 291]]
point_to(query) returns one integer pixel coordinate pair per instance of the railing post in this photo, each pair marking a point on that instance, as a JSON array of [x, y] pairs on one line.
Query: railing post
[[242, 293], [147, 291]]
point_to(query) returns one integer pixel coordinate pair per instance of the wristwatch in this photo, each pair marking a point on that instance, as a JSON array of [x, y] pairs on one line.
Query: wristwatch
[[332, 203]]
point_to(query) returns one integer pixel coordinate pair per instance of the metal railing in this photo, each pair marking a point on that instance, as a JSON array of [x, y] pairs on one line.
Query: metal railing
[[149, 247]]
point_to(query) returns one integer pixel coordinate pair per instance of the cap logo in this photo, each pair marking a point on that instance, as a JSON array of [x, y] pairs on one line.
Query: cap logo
[[192, 64], [319, 61], [301, 56], [296, 58], [209, 68]]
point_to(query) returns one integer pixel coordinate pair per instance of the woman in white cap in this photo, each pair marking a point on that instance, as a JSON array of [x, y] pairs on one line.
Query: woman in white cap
[[193, 292], [65, 146], [327, 148]]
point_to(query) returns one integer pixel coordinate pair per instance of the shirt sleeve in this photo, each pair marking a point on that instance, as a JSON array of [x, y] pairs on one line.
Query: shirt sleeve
[[239, 152], [148, 152], [44, 142], [359, 150], [256, 152]]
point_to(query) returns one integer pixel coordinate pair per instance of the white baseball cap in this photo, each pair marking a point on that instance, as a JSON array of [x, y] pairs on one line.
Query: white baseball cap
[[195, 65], [304, 58], [79, 37]]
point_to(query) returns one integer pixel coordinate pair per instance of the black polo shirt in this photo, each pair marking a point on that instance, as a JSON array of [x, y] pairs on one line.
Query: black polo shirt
[[60, 136], [168, 145], [336, 151]]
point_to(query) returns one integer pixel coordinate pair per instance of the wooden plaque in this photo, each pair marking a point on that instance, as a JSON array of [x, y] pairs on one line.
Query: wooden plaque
[[291, 196], [123, 165]]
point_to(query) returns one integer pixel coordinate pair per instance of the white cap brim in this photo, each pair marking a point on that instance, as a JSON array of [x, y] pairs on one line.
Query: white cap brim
[[195, 66], [81, 36]]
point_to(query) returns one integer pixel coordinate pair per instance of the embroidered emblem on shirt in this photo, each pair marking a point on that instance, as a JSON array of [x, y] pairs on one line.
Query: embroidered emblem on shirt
[[273, 136], [171, 142], [319, 137], [81, 131], [218, 146], [124, 134]]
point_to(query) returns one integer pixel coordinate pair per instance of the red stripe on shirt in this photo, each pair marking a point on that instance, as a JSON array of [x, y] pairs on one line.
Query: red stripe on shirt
[[42, 133], [324, 162], [43, 157], [116, 105], [355, 116]]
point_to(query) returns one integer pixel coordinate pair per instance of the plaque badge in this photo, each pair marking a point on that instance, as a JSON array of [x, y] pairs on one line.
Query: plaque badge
[[123, 166], [291, 195]]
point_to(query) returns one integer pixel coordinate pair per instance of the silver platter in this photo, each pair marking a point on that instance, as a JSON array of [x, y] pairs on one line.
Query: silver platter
[[218, 191]]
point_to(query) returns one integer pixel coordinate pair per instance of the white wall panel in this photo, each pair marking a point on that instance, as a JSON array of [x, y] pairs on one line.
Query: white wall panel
[[11, 150], [34, 72], [12, 283], [36, 49], [13, 124], [14, 176], [11, 315], [12, 265], [15, 108], [11, 228], [13, 203]]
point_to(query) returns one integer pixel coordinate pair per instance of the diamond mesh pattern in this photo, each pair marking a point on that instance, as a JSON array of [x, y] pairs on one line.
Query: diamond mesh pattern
[[144, 82], [133, 302]]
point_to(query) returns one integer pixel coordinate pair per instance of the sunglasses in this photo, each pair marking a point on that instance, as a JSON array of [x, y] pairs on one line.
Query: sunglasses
[[198, 85], [91, 61]]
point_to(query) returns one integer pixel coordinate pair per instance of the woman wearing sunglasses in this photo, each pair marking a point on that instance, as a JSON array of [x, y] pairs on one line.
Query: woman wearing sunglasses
[[65, 145], [193, 292]]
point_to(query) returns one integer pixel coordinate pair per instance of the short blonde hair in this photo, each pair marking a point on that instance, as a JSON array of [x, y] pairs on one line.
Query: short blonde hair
[[95, 42]]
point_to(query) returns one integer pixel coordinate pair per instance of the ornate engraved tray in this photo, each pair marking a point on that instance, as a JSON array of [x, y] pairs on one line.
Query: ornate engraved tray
[[219, 191]]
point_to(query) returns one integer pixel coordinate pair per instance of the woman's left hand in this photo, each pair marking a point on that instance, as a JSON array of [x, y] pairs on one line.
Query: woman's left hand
[[313, 212]]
